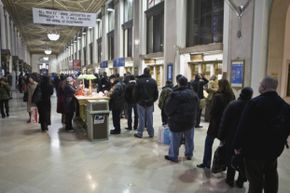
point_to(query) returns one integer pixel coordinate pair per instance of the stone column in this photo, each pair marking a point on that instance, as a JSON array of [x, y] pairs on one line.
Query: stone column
[[3, 27], [104, 34], [260, 42], [170, 35], [94, 45]]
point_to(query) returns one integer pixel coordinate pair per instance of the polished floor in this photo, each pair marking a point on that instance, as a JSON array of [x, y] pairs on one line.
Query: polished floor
[[61, 162]]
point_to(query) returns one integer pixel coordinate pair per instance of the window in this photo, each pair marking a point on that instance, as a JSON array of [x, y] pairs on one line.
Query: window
[[127, 35], [111, 17], [155, 28], [128, 10], [99, 43], [110, 36], [204, 22], [91, 53], [152, 3]]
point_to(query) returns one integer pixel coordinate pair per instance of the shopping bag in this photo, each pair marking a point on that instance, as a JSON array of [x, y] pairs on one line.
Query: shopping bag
[[164, 135], [34, 115], [219, 162]]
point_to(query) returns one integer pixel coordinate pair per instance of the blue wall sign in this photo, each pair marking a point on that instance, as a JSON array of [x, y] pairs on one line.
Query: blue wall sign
[[119, 62], [104, 64], [237, 74], [170, 71]]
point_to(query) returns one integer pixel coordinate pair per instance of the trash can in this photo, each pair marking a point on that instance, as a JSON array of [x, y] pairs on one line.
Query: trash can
[[98, 119]]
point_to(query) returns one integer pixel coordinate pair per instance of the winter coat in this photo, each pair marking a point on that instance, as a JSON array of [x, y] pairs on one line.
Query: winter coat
[[219, 103], [146, 91], [69, 100], [44, 106], [166, 91], [228, 126], [181, 107], [264, 127], [129, 92], [117, 96], [30, 90], [4, 91], [60, 97], [197, 86]]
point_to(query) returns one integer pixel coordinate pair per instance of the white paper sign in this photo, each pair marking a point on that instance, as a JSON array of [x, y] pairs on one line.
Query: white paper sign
[[60, 17]]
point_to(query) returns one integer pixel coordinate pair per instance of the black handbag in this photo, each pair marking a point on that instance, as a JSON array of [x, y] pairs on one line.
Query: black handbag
[[219, 162], [37, 95]]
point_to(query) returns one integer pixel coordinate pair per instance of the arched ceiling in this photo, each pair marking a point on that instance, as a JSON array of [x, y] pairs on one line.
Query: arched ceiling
[[35, 35]]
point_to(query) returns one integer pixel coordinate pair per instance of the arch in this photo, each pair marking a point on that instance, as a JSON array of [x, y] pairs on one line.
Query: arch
[[279, 41]]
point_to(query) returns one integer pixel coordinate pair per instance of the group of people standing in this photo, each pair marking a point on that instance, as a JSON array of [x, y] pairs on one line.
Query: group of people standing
[[251, 131]]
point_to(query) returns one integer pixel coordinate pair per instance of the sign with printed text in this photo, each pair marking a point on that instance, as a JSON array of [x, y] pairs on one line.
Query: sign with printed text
[[237, 73], [60, 17], [170, 71]]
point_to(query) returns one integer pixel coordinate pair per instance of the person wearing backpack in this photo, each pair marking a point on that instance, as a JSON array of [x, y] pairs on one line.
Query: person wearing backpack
[[165, 92], [117, 100], [131, 103], [261, 137]]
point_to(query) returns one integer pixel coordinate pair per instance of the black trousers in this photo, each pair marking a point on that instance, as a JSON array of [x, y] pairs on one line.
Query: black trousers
[[4, 104], [130, 108], [164, 117], [198, 116], [231, 174], [68, 120], [262, 175], [116, 115]]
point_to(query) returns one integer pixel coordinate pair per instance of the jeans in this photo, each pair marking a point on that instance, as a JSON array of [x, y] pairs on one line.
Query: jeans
[[262, 174], [208, 151], [116, 115], [176, 138], [129, 114], [4, 103], [145, 115]]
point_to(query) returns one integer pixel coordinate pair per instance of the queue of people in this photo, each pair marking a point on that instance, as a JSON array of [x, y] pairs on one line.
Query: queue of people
[[254, 130]]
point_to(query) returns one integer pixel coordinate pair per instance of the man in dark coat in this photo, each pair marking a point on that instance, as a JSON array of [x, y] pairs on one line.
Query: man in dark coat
[[197, 85], [165, 92], [146, 94], [44, 106], [131, 102], [227, 131], [181, 107], [69, 102], [117, 100], [262, 133]]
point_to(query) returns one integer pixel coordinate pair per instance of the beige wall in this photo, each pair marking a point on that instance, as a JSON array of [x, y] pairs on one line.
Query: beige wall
[[279, 43]]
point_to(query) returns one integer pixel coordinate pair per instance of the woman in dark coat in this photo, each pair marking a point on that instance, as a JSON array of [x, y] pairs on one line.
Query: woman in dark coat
[[181, 108], [69, 103], [44, 106], [221, 99], [227, 131], [60, 98]]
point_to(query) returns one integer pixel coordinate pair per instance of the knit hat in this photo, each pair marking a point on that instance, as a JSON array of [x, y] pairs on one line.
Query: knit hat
[[69, 79], [246, 93], [182, 81]]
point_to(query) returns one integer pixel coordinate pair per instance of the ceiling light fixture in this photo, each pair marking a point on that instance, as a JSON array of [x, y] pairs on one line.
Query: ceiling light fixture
[[48, 51], [53, 36], [109, 9], [45, 58]]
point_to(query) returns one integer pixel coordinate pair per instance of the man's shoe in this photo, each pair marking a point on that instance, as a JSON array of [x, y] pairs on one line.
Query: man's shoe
[[170, 159], [137, 136], [239, 184], [128, 128], [198, 126], [230, 183], [115, 132], [202, 166], [188, 158]]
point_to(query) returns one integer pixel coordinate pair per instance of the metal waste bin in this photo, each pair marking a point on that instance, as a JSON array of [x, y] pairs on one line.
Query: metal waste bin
[[98, 119]]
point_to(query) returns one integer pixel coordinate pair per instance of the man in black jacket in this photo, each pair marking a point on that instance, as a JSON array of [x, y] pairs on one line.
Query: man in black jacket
[[117, 100], [181, 107], [131, 102], [262, 134], [197, 85], [146, 94]]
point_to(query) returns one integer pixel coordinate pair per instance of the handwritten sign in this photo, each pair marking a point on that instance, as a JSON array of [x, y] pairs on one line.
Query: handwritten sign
[[60, 17]]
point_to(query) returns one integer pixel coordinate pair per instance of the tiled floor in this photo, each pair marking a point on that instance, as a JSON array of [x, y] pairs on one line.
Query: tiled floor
[[60, 162]]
